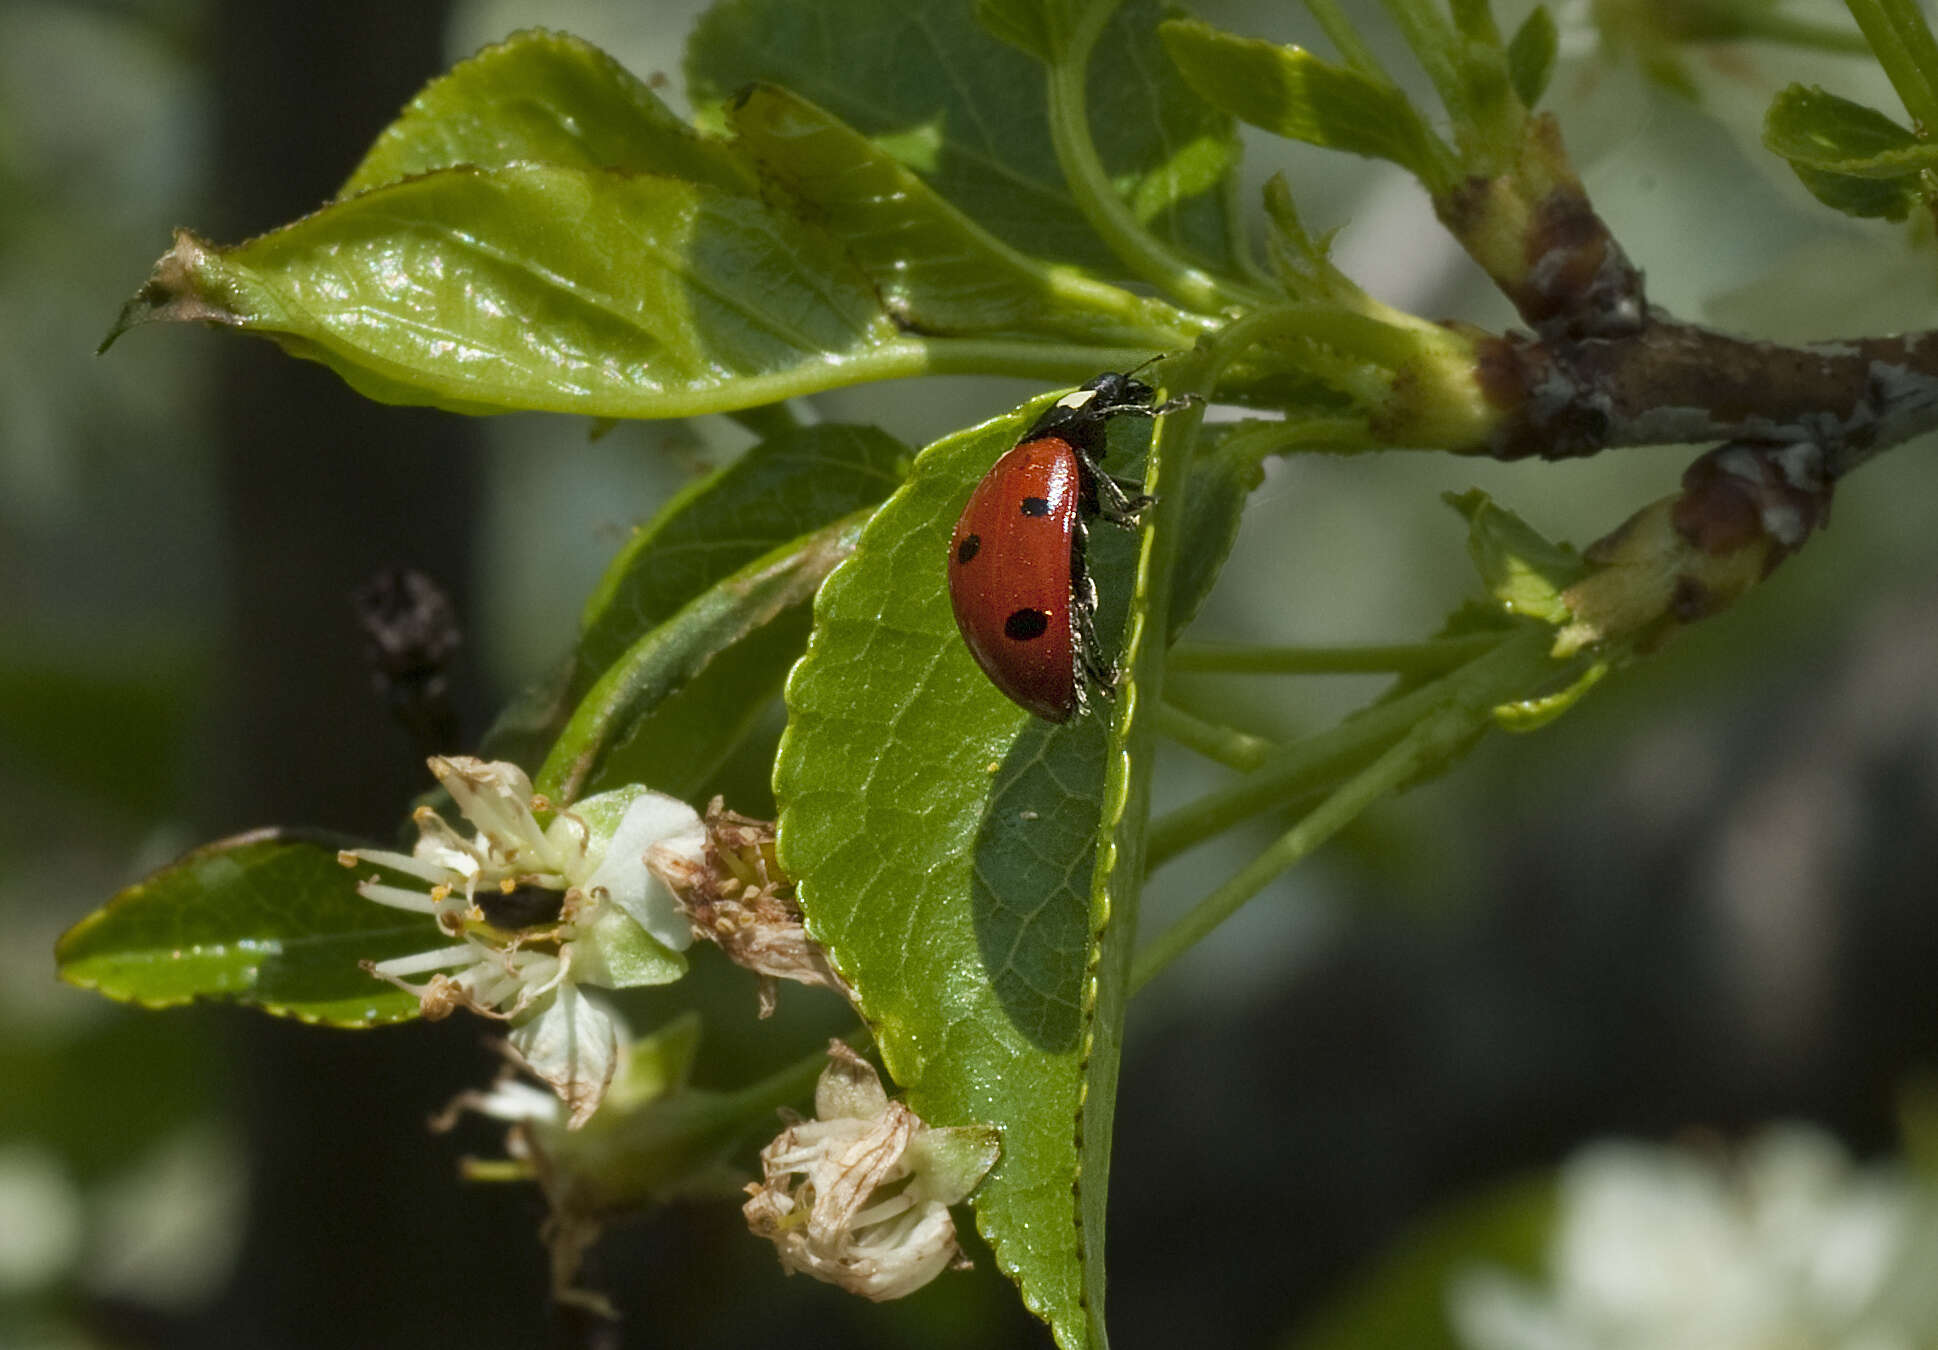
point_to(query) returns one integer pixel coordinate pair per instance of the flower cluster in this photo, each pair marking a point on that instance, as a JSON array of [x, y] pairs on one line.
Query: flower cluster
[[860, 1196], [534, 912]]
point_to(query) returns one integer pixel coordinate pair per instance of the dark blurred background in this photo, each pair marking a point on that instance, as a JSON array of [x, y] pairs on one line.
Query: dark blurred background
[[1703, 901]]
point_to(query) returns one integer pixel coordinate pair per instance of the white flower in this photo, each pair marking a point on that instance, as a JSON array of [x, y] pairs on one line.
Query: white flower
[[536, 911], [1790, 1247], [860, 1197]]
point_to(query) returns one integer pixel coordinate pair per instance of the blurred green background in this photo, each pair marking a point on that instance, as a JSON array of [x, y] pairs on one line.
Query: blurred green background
[[1701, 902]]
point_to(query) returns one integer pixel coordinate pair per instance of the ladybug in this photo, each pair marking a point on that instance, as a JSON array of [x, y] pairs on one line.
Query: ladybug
[[1022, 595]]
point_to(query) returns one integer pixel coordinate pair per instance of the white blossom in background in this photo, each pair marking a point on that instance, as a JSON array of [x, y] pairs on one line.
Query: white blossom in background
[[531, 914], [860, 1196], [1784, 1246]]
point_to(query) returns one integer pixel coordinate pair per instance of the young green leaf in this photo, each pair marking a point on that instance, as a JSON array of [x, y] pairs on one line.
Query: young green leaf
[[782, 488], [267, 918], [968, 113], [1524, 572], [541, 287], [1530, 56], [1289, 91], [548, 98], [666, 659], [787, 486], [1215, 497], [1849, 156], [937, 270]]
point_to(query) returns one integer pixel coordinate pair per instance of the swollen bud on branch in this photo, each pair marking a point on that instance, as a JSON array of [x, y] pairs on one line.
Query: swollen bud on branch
[[1742, 510], [1537, 235]]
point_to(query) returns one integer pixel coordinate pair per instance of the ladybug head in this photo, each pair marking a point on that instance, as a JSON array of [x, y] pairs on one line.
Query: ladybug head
[[1079, 416], [1115, 392]]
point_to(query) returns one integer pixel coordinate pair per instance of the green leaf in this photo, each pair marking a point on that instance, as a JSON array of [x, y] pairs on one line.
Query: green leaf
[[680, 743], [1850, 157], [1530, 56], [1220, 485], [969, 114], [786, 486], [1524, 572], [1289, 91], [780, 489], [549, 98], [269, 919], [943, 840], [667, 658], [937, 270], [1036, 27], [540, 287]]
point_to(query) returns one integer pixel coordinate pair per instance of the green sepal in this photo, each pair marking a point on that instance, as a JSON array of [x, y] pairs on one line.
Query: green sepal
[[269, 919]]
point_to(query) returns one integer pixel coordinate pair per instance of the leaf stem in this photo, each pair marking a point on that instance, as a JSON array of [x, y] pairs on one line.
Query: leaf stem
[[1076, 151], [1904, 46], [1435, 737], [1332, 435], [1227, 745], [1505, 673], [1118, 875], [1053, 363], [1434, 657]]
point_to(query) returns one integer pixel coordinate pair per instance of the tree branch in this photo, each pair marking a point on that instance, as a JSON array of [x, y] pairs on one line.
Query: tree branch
[[1673, 382]]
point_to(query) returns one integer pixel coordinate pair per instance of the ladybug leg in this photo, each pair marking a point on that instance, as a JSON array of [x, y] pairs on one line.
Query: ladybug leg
[[1090, 662], [1116, 502], [1090, 658]]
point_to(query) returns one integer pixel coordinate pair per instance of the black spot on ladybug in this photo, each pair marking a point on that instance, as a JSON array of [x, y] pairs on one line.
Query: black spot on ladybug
[[521, 907], [1024, 624], [1036, 506], [970, 546]]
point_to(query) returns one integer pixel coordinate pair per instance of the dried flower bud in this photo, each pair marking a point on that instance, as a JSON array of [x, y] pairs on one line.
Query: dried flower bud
[[860, 1196], [737, 897]]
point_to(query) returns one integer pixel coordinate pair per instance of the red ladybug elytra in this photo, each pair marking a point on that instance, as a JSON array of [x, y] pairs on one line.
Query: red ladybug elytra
[[1022, 595]]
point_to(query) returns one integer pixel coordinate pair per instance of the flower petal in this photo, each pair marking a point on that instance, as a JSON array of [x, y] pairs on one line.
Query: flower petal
[[652, 819], [573, 1044]]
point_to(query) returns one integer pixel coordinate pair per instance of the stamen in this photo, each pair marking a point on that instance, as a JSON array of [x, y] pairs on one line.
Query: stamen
[[397, 897], [397, 862], [443, 958]]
